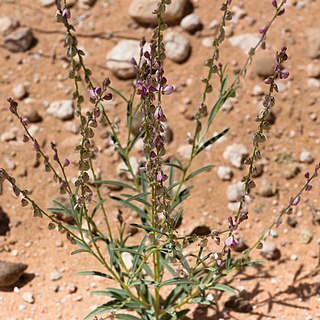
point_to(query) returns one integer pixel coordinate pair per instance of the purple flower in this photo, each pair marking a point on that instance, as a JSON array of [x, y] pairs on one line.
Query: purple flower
[[66, 163], [274, 3], [262, 30], [36, 145], [295, 201], [13, 105], [167, 90], [153, 155], [25, 138], [159, 115], [24, 121], [281, 12], [284, 74], [66, 13], [160, 177], [231, 242]]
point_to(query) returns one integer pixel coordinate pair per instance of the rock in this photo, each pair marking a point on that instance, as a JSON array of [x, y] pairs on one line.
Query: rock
[[122, 169], [4, 222], [19, 40], [185, 151], [20, 91], [168, 135], [313, 41], [9, 135], [306, 157], [224, 173], [177, 47], [266, 188], [47, 3], [257, 91], [233, 206], [270, 251], [263, 66], [292, 221], [306, 236], [28, 297], [136, 123], [55, 275], [227, 106], [61, 109], [238, 304], [120, 56], [236, 154], [293, 257], [8, 24], [127, 259], [10, 272], [31, 113], [191, 23], [313, 83], [244, 41], [313, 70], [72, 288], [235, 191], [198, 229], [63, 216], [238, 13], [290, 171], [86, 3], [141, 11]]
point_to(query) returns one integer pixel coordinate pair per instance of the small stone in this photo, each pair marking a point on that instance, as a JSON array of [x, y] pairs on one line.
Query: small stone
[[292, 221], [72, 288], [177, 47], [136, 123], [306, 236], [236, 154], [122, 169], [313, 70], [9, 136], [141, 11], [86, 3], [313, 40], [239, 303], [10, 272], [264, 66], [59, 244], [8, 24], [191, 23], [244, 41], [270, 251], [120, 56], [306, 157], [61, 109], [290, 171], [31, 113], [266, 188], [227, 106], [28, 297], [185, 151], [19, 40], [127, 259], [257, 91], [293, 257], [198, 228], [224, 173], [47, 3], [168, 135], [313, 83], [55, 275], [235, 191]]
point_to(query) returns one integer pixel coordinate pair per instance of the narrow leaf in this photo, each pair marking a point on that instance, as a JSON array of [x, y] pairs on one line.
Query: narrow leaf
[[193, 174]]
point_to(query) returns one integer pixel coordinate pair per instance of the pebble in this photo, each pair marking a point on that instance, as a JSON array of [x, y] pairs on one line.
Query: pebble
[[136, 123], [266, 188], [293, 257], [313, 70], [305, 236], [122, 169], [28, 297], [72, 288], [8, 24], [244, 41], [47, 3], [263, 66], [141, 11], [19, 40], [55, 275], [236, 154], [257, 91], [313, 41], [235, 191], [61, 109], [270, 251], [177, 47], [191, 22], [10, 272], [86, 3], [313, 83], [9, 135], [185, 151], [224, 173], [306, 157], [120, 56], [31, 113], [290, 171], [127, 259]]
